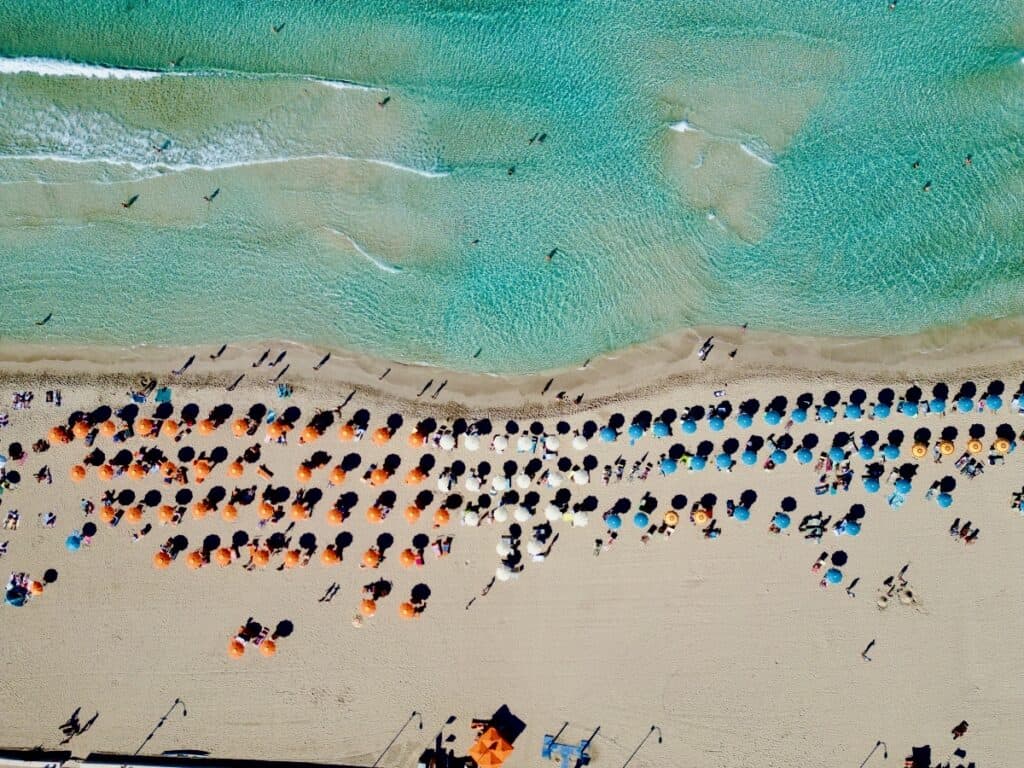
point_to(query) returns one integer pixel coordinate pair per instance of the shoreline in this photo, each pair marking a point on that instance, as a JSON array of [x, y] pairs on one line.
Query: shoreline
[[980, 349]]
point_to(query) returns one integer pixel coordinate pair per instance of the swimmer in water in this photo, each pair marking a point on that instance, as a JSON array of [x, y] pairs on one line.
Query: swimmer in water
[[511, 170], [968, 159], [383, 102], [916, 164], [927, 186]]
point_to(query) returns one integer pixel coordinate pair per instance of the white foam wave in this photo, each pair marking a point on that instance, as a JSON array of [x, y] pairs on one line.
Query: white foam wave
[[681, 127], [381, 265], [37, 65], [759, 154]]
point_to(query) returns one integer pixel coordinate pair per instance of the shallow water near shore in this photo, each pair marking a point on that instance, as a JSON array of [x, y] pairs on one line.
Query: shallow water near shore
[[701, 165]]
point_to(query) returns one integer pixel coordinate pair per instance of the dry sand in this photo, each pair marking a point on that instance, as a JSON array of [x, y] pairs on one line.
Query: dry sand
[[729, 646]]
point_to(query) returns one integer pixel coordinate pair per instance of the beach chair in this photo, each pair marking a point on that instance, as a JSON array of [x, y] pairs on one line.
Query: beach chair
[[896, 500]]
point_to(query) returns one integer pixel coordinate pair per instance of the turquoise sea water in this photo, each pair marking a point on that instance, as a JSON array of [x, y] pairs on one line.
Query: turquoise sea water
[[705, 163]]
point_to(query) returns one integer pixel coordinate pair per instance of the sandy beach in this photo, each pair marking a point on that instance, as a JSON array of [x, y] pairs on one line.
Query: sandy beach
[[729, 646]]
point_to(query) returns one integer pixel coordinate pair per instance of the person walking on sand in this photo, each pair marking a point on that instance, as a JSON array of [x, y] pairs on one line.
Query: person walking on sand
[[263, 357], [960, 730], [184, 368]]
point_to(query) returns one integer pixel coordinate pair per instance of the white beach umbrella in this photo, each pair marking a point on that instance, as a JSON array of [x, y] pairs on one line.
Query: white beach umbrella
[[534, 547], [524, 443], [501, 514], [499, 443], [473, 484], [555, 479], [470, 518], [444, 483], [552, 443], [523, 481], [581, 477], [579, 443], [447, 442], [503, 549], [580, 519], [500, 483], [503, 573], [471, 443], [522, 514], [552, 512]]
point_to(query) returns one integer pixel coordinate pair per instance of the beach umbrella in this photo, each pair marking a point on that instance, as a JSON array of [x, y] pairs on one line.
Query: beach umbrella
[[1002, 445], [195, 560], [471, 443], [503, 548], [166, 514], [994, 402], [937, 405], [641, 520], [170, 428], [368, 608], [836, 453], [236, 648], [36, 587], [337, 476], [919, 450], [522, 481], [799, 416], [407, 557], [336, 516], [73, 543], [136, 472], [891, 451], [447, 442], [524, 443], [441, 517], [697, 463], [381, 435], [470, 518], [804, 456], [827, 413], [229, 513], [106, 472], [749, 458], [580, 519], [303, 474], [866, 452], [223, 556], [261, 557], [412, 514], [974, 445], [371, 558], [379, 476], [206, 427], [944, 500], [909, 409], [16, 597], [534, 547], [851, 528], [416, 439], [772, 417], [635, 432], [299, 511], [689, 426], [472, 484], [552, 512], [581, 477], [133, 514], [521, 514], [701, 516], [107, 514], [741, 513], [660, 429], [407, 611], [745, 420], [555, 479], [161, 559], [668, 465], [722, 461], [78, 473], [240, 427], [552, 443], [374, 515], [781, 520], [965, 405], [108, 428], [579, 443], [268, 647], [277, 429], [414, 476], [881, 411], [946, 447], [902, 485], [671, 518], [778, 456], [499, 443], [80, 429], [503, 573], [608, 434], [236, 469], [716, 424], [833, 576], [501, 514], [500, 483], [871, 484], [853, 411]]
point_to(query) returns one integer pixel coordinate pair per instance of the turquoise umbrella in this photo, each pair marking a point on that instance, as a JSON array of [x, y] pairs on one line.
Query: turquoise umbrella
[[799, 416], [804, 456], [749, 458]]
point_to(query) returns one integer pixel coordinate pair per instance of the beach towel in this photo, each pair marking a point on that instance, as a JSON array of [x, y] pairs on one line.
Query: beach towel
[[163, 395]]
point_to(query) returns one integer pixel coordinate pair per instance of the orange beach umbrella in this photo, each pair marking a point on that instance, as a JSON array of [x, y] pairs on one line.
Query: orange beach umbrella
[[108, 428], [335, 516], [161, 560], [490, 750], [381, 435], [240, 427], [268, 647], [337, 476], [236, 648], [81, 429], [207, 427]]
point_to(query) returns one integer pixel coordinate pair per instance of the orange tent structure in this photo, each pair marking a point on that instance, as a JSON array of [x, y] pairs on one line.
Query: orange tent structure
[[490, 750]]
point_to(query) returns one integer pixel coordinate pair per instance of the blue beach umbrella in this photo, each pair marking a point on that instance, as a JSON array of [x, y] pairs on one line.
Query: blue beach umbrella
[[937, 406], [833, 576], [866, 452], [640, 520], [909, 409], [635, 432], [608, 434], [891, 452], [16, 596], [689, 426], [73, 543], [994, 402], [804, 456], [668, 466], [871, 484], [778, 456], [881, 411], [697, 463], [851, 529], [741, 513], [902, 485], [749, 458], [827, 413], [723, 461], [614, 522], [944, 500], [799, 416], [660, 429], [965, 405], [772, 418], [716, 424], [853, 411], [744, 420], [836, 453], [781, 520]]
